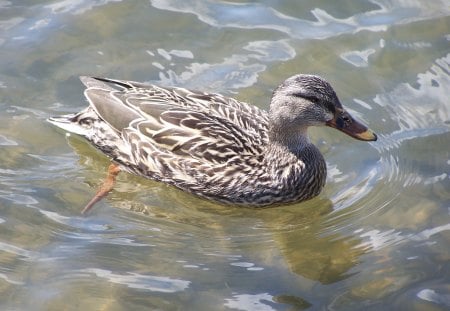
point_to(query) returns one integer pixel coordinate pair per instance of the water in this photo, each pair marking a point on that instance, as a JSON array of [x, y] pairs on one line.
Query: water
[[378, 236]]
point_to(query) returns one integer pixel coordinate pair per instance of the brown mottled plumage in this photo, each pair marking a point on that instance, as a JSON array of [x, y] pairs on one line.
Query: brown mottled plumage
[[211, 145]]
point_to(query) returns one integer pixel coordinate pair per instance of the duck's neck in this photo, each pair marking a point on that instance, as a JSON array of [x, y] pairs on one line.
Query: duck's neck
[[295, 163], [294, 141]]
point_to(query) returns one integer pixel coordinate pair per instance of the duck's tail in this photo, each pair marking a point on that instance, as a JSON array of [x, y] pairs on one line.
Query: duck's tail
[[77, 123]]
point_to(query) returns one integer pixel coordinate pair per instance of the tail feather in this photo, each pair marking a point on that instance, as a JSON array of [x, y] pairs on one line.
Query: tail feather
[[78, 123], [100, 83], [68, 124]]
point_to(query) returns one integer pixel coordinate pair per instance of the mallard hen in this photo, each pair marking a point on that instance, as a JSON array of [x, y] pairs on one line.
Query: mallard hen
[[211, 145]]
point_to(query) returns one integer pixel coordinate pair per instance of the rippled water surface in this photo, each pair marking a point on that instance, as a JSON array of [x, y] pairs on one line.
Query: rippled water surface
[[377, 238]]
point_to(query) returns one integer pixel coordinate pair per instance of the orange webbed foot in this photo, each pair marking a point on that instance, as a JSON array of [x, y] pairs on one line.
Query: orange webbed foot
[[105, 188]]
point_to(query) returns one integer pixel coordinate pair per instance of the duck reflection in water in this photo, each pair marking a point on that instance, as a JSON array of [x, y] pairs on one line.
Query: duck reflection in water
[[297, 230]]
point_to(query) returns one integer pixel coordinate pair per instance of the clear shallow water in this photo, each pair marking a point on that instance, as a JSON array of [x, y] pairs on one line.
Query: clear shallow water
[[378, 236]]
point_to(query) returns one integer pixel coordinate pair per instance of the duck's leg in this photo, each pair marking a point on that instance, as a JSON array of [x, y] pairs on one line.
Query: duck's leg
[[106, 187]]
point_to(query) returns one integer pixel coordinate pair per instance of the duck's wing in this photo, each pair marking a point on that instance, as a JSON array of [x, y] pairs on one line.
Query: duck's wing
[[177, 121]]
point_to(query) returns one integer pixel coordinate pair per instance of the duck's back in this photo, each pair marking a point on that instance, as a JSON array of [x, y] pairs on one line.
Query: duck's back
[[168, 134], [185, 123]]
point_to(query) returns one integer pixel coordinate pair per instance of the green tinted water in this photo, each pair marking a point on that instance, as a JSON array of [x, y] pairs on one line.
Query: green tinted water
[[377, 238]]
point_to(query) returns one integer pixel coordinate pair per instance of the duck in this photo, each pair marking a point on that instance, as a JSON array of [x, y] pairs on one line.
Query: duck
[[211, 145]]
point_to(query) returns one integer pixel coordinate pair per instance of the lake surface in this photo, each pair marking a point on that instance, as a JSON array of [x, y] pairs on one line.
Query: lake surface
[[378, 236]]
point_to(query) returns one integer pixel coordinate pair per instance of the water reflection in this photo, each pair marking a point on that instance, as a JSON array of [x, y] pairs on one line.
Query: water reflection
[[309, 252], [377, 236], [296, 231], [139, 281], [374, 16], [311, 239]]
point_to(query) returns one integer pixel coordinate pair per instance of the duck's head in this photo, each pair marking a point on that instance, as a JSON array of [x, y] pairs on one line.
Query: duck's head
[[308, 100]]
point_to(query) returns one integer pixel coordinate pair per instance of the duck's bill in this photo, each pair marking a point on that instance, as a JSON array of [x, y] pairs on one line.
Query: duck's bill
[[344, 122]]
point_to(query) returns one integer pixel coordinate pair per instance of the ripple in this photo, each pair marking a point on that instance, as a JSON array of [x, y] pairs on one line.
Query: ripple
[[433, 296], [55, 163], [28, 255], [239, 73], [415, 120], [236, 71], [123, 241], [101, 227], [140, 281], [403, 166], [20, 199], [377, 239], [10, 281], [247, 265], [242, 264], [4, 141], [269, 51], [76, 6], [256, 16], [250, 302], [427, 233], [405, 104], [358, 58]]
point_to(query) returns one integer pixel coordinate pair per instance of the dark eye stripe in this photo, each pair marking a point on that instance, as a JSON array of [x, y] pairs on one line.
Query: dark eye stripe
[[330, 107], [314, 99], [311, 98]]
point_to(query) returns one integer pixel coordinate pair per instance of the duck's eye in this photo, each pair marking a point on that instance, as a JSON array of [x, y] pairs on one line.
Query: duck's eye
[[346, 119]]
